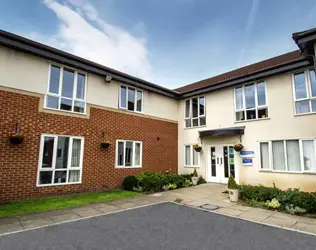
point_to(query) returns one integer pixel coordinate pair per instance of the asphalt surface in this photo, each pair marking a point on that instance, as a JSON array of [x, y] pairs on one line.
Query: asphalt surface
[[160, 226]]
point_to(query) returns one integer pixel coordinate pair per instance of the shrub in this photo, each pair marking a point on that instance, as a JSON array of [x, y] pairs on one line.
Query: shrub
[[186, 176], [172, 186], [130, 182], [179, 180], [232, 183], [151, 181], [274, 203], [195, 174], [258, 193], [201, 180], [295, 210], [187, 183]]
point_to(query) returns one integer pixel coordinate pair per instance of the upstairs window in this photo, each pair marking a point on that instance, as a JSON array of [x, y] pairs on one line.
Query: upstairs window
[[195, 112], [305, 92], [131, 99], [66, 90], [251, 102]]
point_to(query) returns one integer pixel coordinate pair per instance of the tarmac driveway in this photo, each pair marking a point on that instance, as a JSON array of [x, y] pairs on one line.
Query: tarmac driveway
[[160, 226]]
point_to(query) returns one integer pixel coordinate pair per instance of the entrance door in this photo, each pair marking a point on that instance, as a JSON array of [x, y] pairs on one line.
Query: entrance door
[[221, 163]]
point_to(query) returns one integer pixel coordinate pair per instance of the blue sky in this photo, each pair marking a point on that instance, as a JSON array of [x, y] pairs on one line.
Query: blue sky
[[171, 43]]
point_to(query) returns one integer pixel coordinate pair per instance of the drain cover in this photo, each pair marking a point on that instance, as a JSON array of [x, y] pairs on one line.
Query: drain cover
[[209, 207]]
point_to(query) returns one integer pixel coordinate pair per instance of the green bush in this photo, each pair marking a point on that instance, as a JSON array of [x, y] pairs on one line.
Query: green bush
[[179, 180], [201, 180], [258, 193], [151, 181], [130, 182], [274, 203], [295, 210], [186, 176], [232, 183]]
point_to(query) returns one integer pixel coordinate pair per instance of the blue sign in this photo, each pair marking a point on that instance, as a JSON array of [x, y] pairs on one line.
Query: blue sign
[[247, 154], [246, 162]]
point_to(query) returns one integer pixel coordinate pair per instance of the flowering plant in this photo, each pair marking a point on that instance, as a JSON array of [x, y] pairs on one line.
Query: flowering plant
[[197, 147], [238, 147]]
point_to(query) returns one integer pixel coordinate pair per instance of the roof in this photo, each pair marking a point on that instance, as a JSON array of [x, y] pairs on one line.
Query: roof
[[281, 60], [302, 34]]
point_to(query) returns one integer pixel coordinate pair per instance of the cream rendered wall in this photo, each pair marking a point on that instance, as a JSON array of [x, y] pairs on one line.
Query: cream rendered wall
[[282, 124], [22, 71]]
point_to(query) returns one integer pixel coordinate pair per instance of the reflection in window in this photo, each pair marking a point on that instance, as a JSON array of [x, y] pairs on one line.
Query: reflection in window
[[194, 112], [131, 99]]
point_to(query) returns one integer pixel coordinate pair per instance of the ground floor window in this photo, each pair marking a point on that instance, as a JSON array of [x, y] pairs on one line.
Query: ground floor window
[[60, 160], [288, 155], [191, 156], [128, 154]]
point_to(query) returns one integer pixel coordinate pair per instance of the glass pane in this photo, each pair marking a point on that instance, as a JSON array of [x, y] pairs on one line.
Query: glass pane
[[188, 123], [75, 156], [278, 155], [251, 114], [62, 147], [313, 105], [131, 99], [239, 98], [129, 154], [293, 155], [213, 161], [187, 108], [68, 83], [139, 101], [52, 102], [195, 157], [45, 177], [232, 161], [137, 154], [123, 97], [240, 116], [120, 154], [194, 107], [202, 121], [79, 107], [195, 122], [54, 79], [65, 104], [81, 82], [309, 156], [74, 176], [226, 170], [48, 151], [250, 96], [187, 156], [313, 82], [261, 92], [300, 88], [202, 106], [60, 176], [264, 157], [263, 113], [302, 107]]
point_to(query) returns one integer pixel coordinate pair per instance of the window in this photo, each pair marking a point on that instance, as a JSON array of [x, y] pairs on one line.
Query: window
[[128, 154], [191, 156], [60, 160], [304, 86], [288, 156], [195, 112], [251, 102], [66, 90], [131, 99]]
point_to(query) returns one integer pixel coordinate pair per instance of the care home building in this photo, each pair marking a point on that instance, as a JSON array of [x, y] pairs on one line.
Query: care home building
[[66, 107]]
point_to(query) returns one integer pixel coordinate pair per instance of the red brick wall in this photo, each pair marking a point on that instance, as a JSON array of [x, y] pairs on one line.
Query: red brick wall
[[19, 163]]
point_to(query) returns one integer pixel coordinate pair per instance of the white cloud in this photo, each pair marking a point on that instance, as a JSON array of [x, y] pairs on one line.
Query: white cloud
[[84, 33]]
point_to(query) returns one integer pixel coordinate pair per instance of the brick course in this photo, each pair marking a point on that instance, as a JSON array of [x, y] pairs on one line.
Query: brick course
[[19, 163]]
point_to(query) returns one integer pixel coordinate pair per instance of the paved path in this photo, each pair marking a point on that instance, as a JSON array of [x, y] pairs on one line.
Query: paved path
[[192, 196], [161, 226]]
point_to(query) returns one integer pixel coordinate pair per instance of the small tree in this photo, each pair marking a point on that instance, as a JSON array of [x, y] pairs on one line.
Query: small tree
[[195, 174], [232, 183]]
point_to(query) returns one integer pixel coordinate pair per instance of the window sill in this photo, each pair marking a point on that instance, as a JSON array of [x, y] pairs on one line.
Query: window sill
[[254, 120], [286, 172], [192, 166], [195, 127], [132, 111], [57, 184], [121, 167], [66, 111], [304, 114]]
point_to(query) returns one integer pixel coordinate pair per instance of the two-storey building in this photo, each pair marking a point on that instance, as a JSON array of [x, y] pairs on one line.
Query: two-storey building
[[66, 106]]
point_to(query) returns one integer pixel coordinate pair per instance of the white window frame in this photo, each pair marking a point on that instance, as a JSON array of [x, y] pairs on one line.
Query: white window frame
[[271, 168], [190, 117], [308, 88], [191, 157], [135, 100], [53, 168], [59, 96], [124, 151], [257, 107]]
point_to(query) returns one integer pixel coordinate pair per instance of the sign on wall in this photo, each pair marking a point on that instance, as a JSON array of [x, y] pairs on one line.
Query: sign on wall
[[247, 154], [247, 162]]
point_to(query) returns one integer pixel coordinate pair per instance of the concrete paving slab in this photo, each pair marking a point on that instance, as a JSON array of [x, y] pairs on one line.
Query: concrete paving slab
[[305, 227], [128, 205], [256, 215], [9, 225], [27, 224], [106, 208], [228, 211], [240, 207], [86, 211], [64, 217], [279, 222]]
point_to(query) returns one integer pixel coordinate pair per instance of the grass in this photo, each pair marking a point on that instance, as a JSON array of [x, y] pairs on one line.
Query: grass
[[53, 203]]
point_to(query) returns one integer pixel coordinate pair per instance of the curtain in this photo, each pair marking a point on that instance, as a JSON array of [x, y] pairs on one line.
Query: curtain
[[74, 175], [309, 156], [264, 157], [187, 156], [75, 157], [195, 157], [137, 154], [120, 153], [278, 155], [293, 155]]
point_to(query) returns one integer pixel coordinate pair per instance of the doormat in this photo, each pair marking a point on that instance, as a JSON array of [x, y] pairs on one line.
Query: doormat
[[209, 207]]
